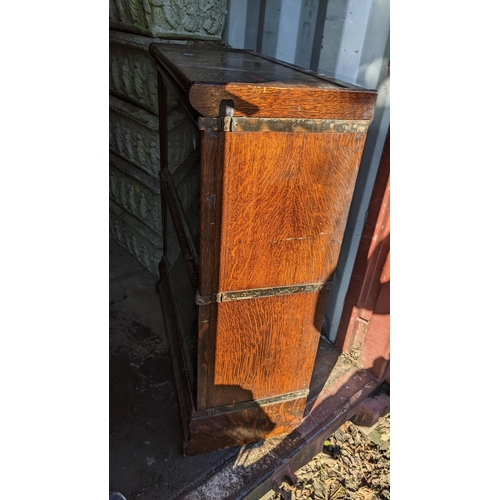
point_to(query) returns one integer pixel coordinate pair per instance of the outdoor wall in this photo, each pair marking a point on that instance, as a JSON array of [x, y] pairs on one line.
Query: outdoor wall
[[185, 19], [344, 39], [134, 143]]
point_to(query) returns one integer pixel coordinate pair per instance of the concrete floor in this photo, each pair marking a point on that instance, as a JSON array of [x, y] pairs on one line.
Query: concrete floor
[[145, 432]]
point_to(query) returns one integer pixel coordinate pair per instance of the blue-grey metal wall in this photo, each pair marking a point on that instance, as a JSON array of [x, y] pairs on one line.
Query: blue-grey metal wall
[[345, 39]]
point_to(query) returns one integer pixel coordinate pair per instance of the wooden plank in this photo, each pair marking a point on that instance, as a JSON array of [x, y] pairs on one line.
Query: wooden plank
[[285, 200], [265, 347], [210, 209], [210, 213], [283, 101]]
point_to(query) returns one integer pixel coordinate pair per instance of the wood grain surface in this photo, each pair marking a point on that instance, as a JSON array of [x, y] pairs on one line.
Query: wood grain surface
[[242, 426], [283, 101], [265, 347], [285, 201]]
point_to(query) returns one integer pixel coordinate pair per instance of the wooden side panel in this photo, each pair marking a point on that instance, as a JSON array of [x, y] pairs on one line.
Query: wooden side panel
[[242, 426], [285, 201], [265, 347]]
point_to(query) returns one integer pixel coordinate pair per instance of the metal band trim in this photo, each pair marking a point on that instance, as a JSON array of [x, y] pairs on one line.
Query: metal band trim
[[256, 293], [243, 124], [246, 405]]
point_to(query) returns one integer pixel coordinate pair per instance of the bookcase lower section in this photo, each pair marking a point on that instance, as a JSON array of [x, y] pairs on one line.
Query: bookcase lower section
[[244, 423], [247, 418]]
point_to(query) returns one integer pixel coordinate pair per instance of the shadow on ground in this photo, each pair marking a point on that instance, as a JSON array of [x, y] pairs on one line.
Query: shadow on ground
[[145, 431]]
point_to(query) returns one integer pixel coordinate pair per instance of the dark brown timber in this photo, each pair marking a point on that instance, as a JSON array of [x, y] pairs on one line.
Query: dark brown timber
[[184, 235]]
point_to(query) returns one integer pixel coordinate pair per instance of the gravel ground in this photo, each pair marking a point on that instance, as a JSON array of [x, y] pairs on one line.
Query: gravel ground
[[354, 465]]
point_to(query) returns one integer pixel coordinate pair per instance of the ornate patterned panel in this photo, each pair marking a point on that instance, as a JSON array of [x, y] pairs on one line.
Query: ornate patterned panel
[[193, 19]]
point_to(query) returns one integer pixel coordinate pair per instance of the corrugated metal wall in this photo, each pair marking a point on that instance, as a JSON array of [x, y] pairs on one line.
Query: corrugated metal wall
[[345, 39]]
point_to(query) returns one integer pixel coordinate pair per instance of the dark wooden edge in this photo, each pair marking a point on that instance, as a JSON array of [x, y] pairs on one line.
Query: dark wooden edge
[[183, 371], [163, 136], [308, 72], [247, 423], [170, 198], [176, 76], [181, 94], [212, 151], [210, 214], [206, 319], [163, 64], [184, 236], [155, 52]]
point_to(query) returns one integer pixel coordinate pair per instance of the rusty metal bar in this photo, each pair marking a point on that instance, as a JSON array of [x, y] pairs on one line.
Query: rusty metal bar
[[237, 124], [245, 405], [256, 293], [304, 125]]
